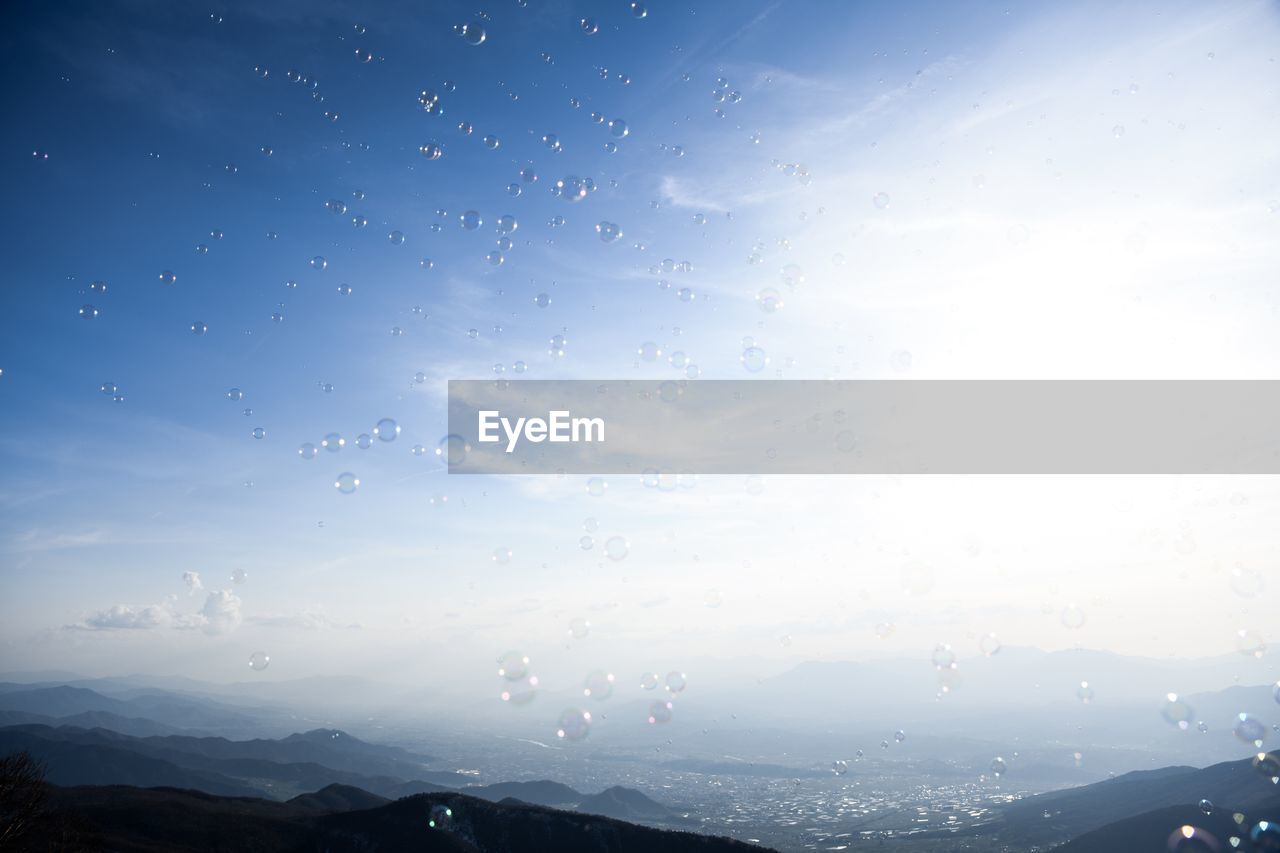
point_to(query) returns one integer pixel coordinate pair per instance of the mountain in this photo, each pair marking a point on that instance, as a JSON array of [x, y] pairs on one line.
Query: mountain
[[164, 819], [262, 767], [542, 793], [338, 798], [170, 709], [68, 763], [1135, 802], [630, 805], [1163, 830]]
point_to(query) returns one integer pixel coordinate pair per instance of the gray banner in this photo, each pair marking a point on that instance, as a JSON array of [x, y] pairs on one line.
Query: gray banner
[[864, 427]]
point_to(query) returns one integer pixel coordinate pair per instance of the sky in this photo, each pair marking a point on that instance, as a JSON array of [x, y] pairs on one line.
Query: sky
[[928, 190]]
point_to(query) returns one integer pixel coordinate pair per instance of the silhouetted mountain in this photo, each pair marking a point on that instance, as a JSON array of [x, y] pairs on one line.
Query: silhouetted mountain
[[338, 798], [162, 819], [542, 793], [216, 765], [1074, 813], [69, 763], [628, 804], [170, 709], [1163, 830]]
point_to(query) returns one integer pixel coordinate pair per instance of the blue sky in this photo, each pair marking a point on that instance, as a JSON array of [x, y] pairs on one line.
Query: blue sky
[[1075, 191]]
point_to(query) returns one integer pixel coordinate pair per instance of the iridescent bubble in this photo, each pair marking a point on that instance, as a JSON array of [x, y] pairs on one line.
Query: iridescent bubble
[[998, 767], [754, 359], [1072, 617], [579, 628], [472, 33], [574, 724], [307, 451], [660, 712], [452, 449], [346, 483], [616, 548], [333, 442], [676, 682], [769, 300], [1249, 729], [649, 681], [1176, 712], [386, 430], [598, 685], [259, 661], [513, 666], [1250, 642]]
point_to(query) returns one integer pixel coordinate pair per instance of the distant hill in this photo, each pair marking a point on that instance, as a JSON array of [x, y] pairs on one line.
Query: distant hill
[[630, 805], [1135, 802], [338, 798], [259, 767], [1152, 831], [169, 709], [177, 821], [541, 793]]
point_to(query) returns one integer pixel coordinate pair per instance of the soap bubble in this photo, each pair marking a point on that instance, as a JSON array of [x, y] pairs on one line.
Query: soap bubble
[[333, 442], [989, 644], [638, 10], [596, 487], [769, 300], [618, 128], [318, 263], [491, 142], [839, 767], [235, 394], [470, 220], [944, 657], [346, 483], [199, 328], [386, 430], [1250, 643], [649, 681], [88, 312], [574, 724], [589, 26], [609, 232], [521, 693], [676, 682], [513, 666], [899, 736], [598, 685], [99, 287], [167, 277], [472, 33], [616, 548], [579, 628], [1084, 692], [502, 556], [364, 441], [660, 712], [1176, 712], [1072, 617], [259, 661], [880, 200], [259, 433], [1249, 729], [998, 767], [307, 451], [109, 388], [754, 359]]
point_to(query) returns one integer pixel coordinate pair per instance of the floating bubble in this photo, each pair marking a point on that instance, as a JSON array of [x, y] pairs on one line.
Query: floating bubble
[[506, 224], [307, 451], [167, 277], [840, 767], [676, 682], [259, 433], [1250, 643], [754, 359], [649, 681], [598, 685], [521, 693], [235, 394], [318, 263], [363, 441], [899, 736], [880, 200], [472, 33], [989, 644], [1176, 712], [513, 666], [944, 657], [1246, 583], [386, 430], [470, 220], [618, 128], [596, 486], [1268, 765], [259, 661], [502, 556], [769, 300], [609, 232], [239, 576], [1084, 692], [659, 713], [579, 628], [638, 10], [1072, 617], [491, 142], [574, 724], [616, 548], [998, 767], [1249, 729], [346, 483], [88, 312]]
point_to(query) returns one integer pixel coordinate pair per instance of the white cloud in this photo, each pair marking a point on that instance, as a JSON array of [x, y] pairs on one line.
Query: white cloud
[[220, 615], [192, 580]]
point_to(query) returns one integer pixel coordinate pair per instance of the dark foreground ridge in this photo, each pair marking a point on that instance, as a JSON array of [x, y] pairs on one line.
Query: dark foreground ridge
[[336, 819]]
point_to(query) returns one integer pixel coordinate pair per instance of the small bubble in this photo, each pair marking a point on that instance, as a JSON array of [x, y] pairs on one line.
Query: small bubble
[[346, 483]]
